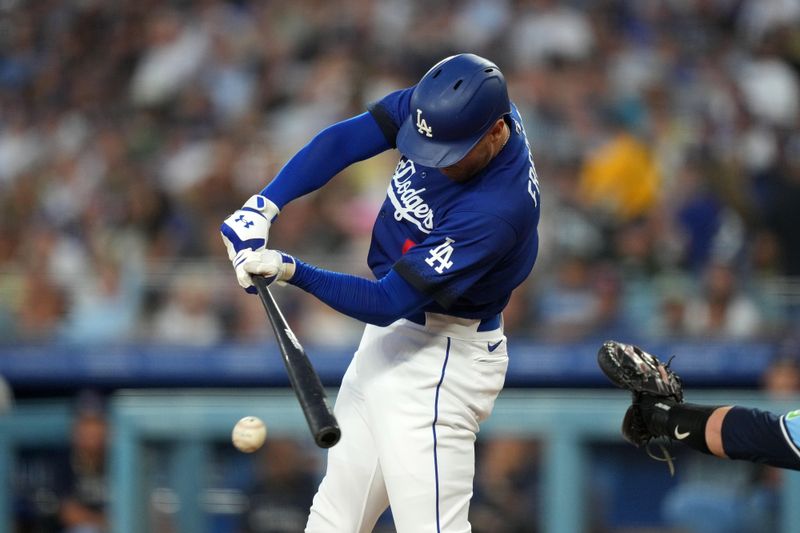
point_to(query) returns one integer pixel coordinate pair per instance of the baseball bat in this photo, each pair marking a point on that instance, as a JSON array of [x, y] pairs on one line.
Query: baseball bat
[[302, 376]]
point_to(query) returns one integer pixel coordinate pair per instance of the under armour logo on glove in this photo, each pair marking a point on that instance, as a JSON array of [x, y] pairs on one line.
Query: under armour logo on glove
[[244, 221]]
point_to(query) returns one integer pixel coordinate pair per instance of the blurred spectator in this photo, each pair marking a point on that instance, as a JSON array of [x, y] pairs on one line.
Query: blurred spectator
[[83, 483], [566, 222], [722, 309], [758, 17], [669, 320], [586, 301], [286, 483], [620, 180], [551, 30], [770, 87], [42, 309], [698, 215], [782, 378], [175, 49], [188, 316], [106, 305], [782, 213], [245, 320], [609, 320], [505, 487], [566, 307], [19, 148]]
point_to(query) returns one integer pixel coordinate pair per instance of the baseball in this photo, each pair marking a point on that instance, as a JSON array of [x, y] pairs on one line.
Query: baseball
[[249, 434]]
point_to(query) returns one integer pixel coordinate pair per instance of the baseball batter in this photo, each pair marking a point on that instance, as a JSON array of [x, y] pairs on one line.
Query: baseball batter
[[455, 235]]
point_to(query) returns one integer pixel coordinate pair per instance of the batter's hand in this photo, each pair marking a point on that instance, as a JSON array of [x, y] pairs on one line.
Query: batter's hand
[[272, 264], [248, 227]]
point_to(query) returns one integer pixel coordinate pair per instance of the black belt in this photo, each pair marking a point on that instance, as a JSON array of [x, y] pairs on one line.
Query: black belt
[[487, 324]]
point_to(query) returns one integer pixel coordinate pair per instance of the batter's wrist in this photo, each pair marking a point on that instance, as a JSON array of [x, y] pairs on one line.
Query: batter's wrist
[[289, 267], [263, 205]]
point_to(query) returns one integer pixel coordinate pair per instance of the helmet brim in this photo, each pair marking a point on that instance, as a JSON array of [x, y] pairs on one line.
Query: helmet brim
[[430, 152]]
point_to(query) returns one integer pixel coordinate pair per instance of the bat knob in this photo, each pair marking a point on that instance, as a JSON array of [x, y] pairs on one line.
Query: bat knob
[[328, 437]]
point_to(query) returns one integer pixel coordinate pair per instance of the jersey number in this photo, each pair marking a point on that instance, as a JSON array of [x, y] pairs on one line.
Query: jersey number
[[441, 255]]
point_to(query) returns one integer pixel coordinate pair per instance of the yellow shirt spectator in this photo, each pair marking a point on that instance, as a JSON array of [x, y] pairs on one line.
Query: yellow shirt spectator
[[621, 178]]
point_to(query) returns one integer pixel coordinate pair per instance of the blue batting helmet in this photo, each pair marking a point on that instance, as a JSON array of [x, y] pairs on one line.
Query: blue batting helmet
[[453, 106]]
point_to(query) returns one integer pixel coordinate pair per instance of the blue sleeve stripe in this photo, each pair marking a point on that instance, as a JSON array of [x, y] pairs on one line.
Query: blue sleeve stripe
[[386, 123]]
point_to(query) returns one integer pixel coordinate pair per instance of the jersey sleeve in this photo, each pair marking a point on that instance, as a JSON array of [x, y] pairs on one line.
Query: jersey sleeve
[[456, 255], [390, 112]]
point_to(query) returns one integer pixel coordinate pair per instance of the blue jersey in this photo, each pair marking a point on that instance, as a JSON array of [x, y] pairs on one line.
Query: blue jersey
[[466, 245]]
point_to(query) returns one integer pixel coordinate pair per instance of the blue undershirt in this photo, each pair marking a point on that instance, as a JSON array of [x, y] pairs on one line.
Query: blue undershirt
[[378, 302]]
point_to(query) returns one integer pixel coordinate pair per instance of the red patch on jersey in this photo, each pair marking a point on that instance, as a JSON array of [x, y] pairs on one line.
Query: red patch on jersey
[[408, 245]]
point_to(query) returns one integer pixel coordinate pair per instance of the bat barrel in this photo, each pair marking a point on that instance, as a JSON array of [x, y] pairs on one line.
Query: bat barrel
[[302, 376]]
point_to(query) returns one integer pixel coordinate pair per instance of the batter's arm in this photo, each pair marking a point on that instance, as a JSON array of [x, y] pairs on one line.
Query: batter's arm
[[378, 302], [328, 153]]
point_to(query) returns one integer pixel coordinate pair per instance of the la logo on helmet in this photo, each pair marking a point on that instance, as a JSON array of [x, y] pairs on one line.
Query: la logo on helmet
[[422, 126]]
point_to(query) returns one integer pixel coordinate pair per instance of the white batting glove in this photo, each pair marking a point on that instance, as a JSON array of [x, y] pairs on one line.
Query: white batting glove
[[272, 264], [248, 228]]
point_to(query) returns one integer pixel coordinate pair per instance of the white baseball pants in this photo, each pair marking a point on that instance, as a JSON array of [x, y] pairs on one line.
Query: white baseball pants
[[409, 408]]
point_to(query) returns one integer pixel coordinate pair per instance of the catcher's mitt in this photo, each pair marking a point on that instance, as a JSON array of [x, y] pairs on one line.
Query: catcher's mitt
[[654, 386], [631, 368]]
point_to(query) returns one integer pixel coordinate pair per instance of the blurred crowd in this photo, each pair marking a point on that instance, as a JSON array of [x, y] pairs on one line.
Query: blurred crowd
[[665, 136]]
